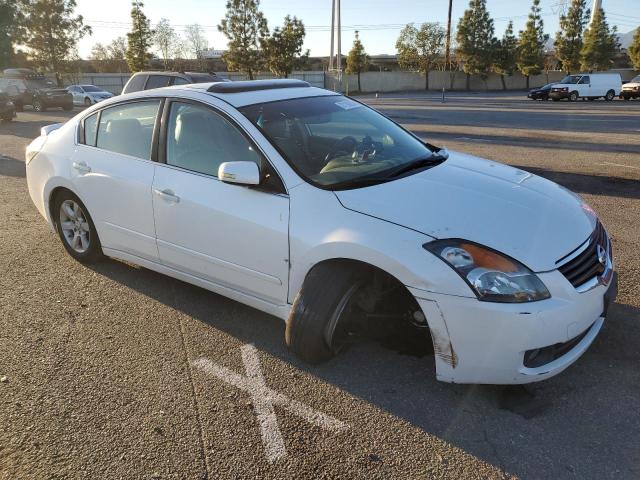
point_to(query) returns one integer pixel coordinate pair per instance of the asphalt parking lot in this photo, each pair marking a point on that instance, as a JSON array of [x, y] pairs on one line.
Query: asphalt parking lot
[[113, 371]]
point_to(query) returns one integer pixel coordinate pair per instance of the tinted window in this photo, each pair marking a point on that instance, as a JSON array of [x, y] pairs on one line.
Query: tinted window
[[135, 84], [128, 128], [199, 139], [180, 81], [91, 129], [91, 88], [584, 80], [157, 81], [202, 78]]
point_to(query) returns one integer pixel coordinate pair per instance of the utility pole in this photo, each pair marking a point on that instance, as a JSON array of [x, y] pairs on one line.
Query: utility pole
[[333, 29], [335, 60], [447, 48], [597, 5]]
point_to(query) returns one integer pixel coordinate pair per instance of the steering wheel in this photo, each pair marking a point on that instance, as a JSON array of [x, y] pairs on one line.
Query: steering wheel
[[344, 145]]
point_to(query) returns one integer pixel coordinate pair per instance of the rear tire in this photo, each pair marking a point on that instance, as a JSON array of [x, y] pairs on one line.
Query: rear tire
[[610, 95], [38, 106], [317, 310], [76, 228]]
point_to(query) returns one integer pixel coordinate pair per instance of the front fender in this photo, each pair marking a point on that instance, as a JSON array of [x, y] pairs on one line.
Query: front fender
[[322, 229]]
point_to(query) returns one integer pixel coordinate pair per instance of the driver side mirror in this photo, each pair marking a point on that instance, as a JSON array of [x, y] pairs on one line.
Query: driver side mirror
[[240, 173]]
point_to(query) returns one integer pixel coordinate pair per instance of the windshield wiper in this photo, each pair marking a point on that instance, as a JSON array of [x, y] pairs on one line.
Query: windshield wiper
[[430, 161]]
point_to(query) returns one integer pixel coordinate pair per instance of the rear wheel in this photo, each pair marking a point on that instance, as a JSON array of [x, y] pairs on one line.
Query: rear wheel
[[76, 228], [38, 105], [610, 95]]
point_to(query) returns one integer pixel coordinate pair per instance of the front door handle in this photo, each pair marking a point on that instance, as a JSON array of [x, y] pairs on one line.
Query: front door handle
[[82, 167], [167, 195]]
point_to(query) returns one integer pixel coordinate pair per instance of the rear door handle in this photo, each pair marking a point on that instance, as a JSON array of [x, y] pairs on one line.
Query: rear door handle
[[82, 167], [167, 194]]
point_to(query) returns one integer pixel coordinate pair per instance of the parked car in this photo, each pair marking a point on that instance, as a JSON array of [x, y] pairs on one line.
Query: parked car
[[631, 89], [317, 209], [587, 85], [27, 87], [87, 95], [148, 80], [7, 108], [541, 93]]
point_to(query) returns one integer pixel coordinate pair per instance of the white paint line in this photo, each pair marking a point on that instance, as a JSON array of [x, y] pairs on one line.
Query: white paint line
[[619, 165], [467, 139], [264, 399]]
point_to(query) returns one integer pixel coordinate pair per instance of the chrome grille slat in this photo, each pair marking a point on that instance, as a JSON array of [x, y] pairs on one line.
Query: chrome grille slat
[[585, 266]]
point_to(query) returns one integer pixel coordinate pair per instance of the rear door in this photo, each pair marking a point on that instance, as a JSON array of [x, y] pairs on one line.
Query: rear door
[[113, 170], [231, 235]]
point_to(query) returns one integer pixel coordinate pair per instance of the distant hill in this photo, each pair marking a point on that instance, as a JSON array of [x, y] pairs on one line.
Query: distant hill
[[626, 38]]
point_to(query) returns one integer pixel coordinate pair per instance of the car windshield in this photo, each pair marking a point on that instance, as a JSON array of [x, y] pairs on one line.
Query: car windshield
[[40, 83], [336, 142], [91, 88], [202, 78], [573, 79], [636, 79]]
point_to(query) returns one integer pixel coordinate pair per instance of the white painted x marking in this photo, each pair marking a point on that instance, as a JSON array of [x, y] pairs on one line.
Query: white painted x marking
[[264, 399]]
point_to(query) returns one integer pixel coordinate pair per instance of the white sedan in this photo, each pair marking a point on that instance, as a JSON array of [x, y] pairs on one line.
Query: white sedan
[[315, 208], [87, 95]]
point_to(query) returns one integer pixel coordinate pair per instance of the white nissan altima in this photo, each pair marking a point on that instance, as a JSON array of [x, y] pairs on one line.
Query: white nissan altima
[[315, 208]]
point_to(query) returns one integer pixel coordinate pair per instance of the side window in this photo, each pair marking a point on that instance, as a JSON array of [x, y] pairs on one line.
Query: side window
[[180, 81], [584, 80], [199, 139], [157, 81], [90, 130], [128, 128], [135, 84]]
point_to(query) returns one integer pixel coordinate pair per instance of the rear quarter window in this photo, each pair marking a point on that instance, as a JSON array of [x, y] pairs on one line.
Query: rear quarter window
[[135, 84]]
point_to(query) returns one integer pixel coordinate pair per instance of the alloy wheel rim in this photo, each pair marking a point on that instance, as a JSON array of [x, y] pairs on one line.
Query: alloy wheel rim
[[74, 226]]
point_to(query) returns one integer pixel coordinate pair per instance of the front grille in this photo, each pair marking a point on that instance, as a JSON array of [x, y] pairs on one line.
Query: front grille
[[541, 356], [587, 264]]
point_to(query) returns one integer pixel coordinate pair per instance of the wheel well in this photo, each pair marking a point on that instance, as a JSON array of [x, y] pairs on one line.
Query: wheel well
[[52, 198], [388, 313]]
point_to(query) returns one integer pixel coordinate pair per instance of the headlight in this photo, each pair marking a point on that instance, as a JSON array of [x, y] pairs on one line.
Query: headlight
[[492, 276]]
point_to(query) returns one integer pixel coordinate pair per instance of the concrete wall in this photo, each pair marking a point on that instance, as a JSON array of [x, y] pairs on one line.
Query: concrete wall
[[372, 82]]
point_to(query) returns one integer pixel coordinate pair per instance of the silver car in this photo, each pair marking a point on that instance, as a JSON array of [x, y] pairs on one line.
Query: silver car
[[88, 95]]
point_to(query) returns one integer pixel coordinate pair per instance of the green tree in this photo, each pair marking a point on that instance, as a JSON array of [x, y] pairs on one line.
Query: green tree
[[138, 39], [568, 43], [506, 54], [110, 58], [531, 44], [244, 26], [52, 32], [600, 44], [420, 48], [12, 31], [283, 47], [475, 40], [357, 59], [634, 50], [165, 40]]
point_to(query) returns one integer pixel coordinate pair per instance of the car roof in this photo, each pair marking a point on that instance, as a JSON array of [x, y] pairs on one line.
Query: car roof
[[241, 94]]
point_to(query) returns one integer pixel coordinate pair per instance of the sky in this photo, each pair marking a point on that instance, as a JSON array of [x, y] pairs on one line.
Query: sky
[[379, 21]]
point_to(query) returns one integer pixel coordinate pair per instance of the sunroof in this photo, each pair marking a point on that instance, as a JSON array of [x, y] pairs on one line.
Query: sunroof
[[253, 85]]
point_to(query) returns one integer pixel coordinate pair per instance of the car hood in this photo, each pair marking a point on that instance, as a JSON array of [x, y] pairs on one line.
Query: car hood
[[630, 85], [515, 212]]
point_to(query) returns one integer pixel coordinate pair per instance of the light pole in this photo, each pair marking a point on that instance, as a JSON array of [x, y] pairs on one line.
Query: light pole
[[447, 48]]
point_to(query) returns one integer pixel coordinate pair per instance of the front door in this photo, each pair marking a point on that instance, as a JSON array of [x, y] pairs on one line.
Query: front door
[[231, 235]]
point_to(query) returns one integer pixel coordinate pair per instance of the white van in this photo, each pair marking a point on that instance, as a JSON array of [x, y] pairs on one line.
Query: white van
[[587, 85]]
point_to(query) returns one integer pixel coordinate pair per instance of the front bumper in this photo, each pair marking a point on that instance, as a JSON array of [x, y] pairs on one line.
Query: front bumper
[[486, 343], [558, 95], [630, 93]]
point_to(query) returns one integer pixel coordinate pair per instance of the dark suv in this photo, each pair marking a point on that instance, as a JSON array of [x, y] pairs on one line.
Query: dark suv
[[148, 80], [26, 87]]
